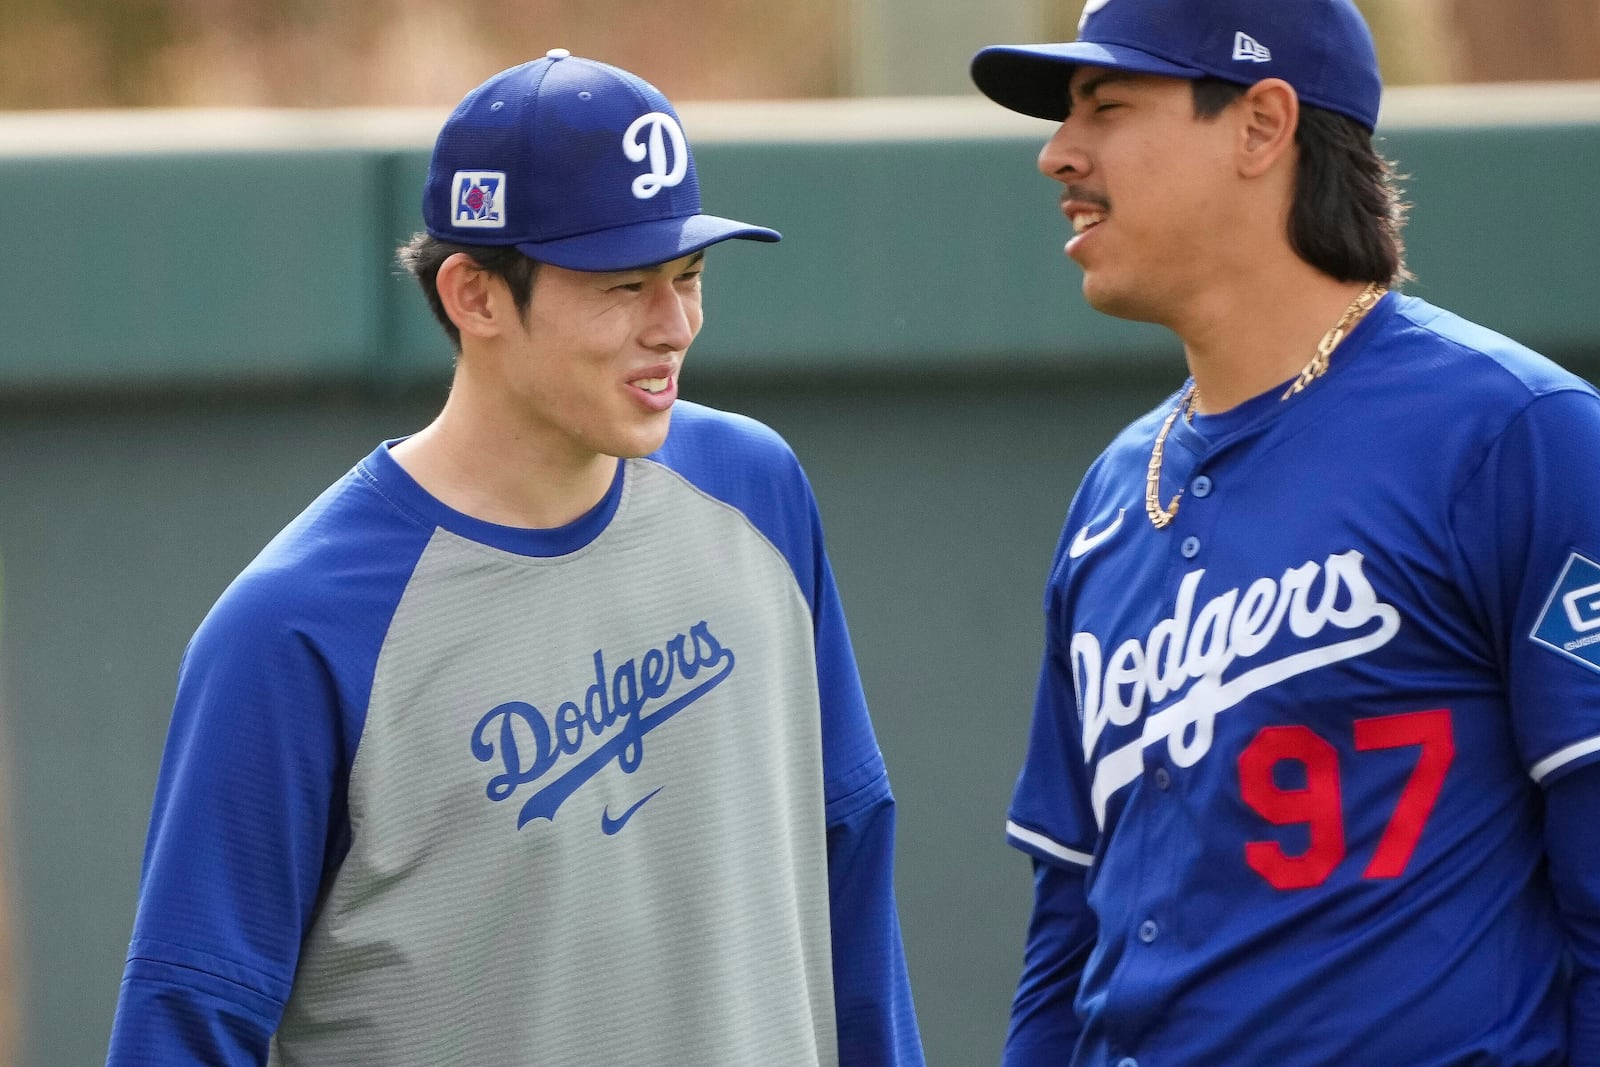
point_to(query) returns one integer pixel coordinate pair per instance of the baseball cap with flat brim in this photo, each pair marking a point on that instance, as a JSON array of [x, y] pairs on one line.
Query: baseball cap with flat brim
[[1321, 47], [576, 163]]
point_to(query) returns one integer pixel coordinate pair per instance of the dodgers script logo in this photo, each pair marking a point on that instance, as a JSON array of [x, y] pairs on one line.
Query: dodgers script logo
[[1331, 607], [606, 725], [648, 137], [479, 202]]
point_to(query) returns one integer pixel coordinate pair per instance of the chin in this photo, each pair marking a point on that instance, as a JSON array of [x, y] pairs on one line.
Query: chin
[[1109, 298], [644, 440], [1098, 294]]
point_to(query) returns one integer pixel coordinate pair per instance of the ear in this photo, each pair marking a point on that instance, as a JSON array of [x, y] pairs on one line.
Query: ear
[[468, 294], [1269, 113]]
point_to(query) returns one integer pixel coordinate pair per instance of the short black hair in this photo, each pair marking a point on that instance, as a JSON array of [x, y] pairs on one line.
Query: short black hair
[[424, 254], [1348, 213]]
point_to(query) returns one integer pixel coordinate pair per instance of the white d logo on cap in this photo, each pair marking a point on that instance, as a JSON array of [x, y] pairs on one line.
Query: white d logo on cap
[[1088, 9], [658, 177]]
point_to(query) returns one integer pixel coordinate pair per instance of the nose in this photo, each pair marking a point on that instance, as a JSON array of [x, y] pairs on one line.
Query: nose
[[674, 317], [1062, 158]]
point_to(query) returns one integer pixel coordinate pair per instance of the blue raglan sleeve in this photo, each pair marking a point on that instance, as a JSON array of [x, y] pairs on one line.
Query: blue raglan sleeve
[[247, 819], [1528, 530], [748, 465], [872, 989], [871, 986]]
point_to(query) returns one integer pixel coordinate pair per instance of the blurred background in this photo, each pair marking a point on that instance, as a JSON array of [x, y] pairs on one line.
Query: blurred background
[[388, 53], [201, 326]]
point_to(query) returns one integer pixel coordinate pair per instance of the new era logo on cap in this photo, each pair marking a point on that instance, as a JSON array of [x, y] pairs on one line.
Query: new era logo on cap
[[480, 199], [1248, 48], [1320, 47]]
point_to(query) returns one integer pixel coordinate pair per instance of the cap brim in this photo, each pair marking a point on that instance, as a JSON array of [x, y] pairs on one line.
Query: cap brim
[[1033, 78], [643, 244]]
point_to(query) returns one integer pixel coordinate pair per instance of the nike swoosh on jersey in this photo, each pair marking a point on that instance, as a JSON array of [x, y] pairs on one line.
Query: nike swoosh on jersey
[[609, 826], [1085, 542], [543, 804]]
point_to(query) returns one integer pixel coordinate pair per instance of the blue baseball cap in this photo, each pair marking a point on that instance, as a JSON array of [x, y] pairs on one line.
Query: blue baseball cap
[[576, 163], [1321, 47]]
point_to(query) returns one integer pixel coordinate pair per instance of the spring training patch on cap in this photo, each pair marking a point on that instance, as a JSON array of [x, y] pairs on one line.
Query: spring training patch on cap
[[479, 199], [1570, 622]]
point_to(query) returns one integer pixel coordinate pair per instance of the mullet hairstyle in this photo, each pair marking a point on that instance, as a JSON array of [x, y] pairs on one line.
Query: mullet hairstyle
[[1348, 212], [424, 254]]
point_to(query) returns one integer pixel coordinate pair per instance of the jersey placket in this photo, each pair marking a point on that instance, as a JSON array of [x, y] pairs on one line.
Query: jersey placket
[[1156, 814]]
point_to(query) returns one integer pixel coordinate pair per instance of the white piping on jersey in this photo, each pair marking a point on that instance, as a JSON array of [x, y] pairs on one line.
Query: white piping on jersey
[[1045, 845], [1230, 626], [1557, 760]]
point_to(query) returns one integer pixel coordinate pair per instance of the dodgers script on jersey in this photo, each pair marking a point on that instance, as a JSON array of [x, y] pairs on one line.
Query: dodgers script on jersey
[[1298, 754], [504, 796]]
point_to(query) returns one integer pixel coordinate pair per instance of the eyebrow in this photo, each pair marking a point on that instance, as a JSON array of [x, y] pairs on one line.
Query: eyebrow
[[1096, 83], [694, 261]]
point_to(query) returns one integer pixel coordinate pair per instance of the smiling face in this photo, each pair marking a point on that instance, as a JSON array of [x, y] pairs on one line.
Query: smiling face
[[594, 370], [1150, 189]]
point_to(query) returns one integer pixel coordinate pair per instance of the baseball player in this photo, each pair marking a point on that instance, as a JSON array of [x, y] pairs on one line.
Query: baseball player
[[1314, 769], [537, 738]]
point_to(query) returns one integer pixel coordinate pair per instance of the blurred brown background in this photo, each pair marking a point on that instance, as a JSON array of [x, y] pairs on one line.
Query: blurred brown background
[[296, 53]]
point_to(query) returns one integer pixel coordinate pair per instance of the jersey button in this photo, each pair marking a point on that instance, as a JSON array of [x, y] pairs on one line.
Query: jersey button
[[1127, 1061], [1148, 931], [1163, 779], [1201, 487], [1190, 547]]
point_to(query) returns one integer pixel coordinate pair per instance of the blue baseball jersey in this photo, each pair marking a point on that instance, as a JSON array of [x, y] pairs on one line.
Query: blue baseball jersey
[[438, 791], [1285, 783]]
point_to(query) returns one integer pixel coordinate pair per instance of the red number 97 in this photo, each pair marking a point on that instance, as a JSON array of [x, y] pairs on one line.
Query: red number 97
[[1317, 804]]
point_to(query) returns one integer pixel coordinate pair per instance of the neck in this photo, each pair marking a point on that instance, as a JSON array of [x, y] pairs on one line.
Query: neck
[[480, 458], [1248, 336]]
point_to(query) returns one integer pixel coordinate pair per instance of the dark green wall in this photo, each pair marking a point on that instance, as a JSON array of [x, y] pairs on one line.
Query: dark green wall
[[196, 344], [236, 267]]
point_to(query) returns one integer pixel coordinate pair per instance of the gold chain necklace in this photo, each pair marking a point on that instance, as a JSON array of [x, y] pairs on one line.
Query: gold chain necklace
[[1190, 399]]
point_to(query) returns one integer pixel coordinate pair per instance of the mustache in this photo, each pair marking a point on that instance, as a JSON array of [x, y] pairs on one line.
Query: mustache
[[1079, 195]]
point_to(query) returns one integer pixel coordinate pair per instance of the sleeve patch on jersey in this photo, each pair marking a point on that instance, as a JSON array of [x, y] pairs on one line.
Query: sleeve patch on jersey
[[1570, 622]]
